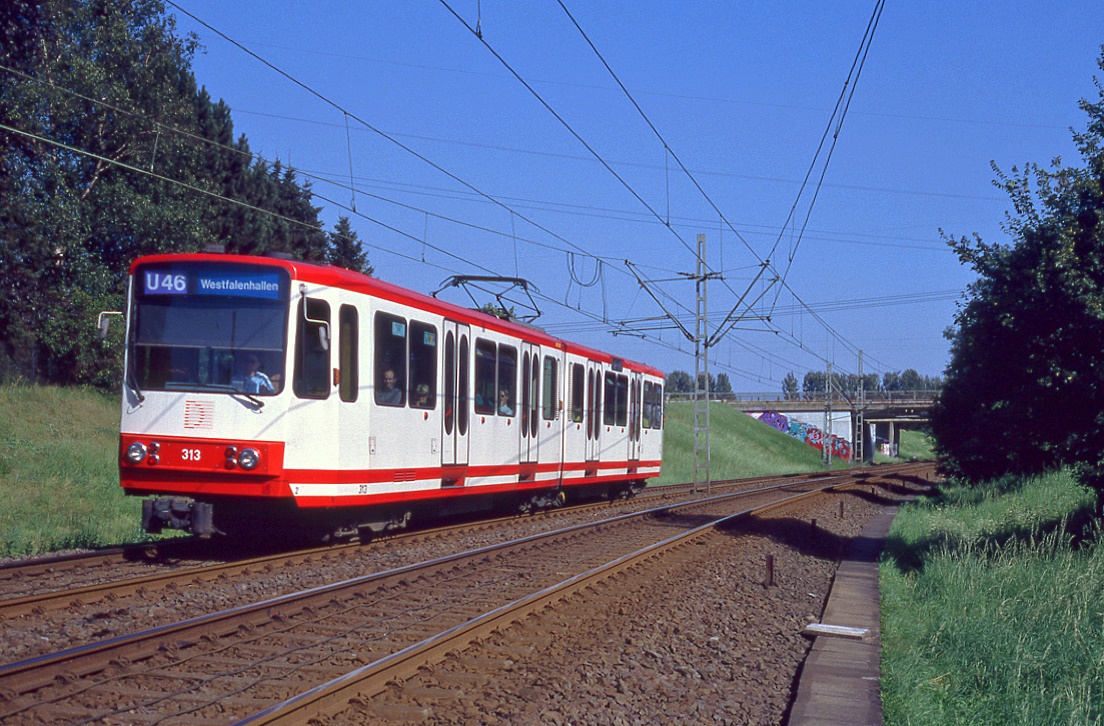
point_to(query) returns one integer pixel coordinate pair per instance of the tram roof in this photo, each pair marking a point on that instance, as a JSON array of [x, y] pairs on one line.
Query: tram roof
[[337, 277]]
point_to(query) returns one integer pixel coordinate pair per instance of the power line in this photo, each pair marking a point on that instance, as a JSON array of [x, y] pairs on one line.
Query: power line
[[413, 152], [660, 94], [635, 164], [667, 148], [839, 113], [369, 126], [562, 121], [845, 100]]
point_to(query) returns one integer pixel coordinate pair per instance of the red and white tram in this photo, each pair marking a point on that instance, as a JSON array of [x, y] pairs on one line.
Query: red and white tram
[[263, 394]]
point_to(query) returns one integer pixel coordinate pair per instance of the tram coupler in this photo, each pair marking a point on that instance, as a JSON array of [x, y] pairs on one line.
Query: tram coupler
[[178, 513]]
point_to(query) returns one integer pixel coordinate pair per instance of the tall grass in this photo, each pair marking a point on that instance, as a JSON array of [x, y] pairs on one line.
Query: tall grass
[[59, 479], [992, 603]]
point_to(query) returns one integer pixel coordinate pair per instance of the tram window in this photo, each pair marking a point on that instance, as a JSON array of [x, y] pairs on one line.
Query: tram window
[[622, 410], [577, 393], [609, 395], [534, 395], [462, 398], [312, 361], [450, 379], [550, 393], [653, 405], [526, 402], [348, 353], [423, 365], [390, 361], [485, 358], [507, 380]]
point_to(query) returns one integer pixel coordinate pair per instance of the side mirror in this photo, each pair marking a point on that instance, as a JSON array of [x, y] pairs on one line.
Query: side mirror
[[103, 322], [322, 321]]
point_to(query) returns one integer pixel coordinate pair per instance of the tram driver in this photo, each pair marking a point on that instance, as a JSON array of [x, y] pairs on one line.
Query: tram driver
[[254, 380]]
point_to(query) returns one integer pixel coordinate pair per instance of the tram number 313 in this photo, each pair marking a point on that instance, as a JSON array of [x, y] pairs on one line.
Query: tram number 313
[[190, 454]]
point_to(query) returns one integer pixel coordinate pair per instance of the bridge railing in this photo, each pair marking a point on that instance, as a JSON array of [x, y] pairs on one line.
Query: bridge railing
[[918, 396]]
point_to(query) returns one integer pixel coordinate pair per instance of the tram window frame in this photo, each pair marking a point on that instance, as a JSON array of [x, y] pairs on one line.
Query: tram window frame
[[389, 338], [462, 386], [578, 392], [450, 380], [422, 341], [550, 391], [653, 405], [534, 395], [486, 369], [621, 413], [592, 407], [348, 353], [524, 406], [609, 398], [507, 379], [312, 347]]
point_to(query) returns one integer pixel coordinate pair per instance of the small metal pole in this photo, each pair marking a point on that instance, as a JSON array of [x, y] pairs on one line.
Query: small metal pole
[[769, 580], [841, 509]]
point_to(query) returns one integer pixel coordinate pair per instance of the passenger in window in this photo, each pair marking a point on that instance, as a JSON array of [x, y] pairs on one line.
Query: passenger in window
[[254, 380], [391, 393], [421, 396], [504, 408]]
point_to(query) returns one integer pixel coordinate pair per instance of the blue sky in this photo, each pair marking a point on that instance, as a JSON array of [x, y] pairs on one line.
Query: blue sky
[[740, 92]]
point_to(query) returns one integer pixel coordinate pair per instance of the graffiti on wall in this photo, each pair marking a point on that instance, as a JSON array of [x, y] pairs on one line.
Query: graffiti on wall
[[839, 447]]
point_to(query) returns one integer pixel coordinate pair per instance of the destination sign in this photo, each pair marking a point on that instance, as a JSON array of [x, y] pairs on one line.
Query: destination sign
[[212, 282]]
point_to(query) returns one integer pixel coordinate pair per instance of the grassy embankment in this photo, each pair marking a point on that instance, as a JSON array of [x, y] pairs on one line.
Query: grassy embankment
[[914, 445], [59, 479], [991, 607], [60, 487], [739, 446]]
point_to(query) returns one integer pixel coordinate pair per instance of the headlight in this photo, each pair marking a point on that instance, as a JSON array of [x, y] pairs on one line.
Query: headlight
[[136, 453], [248, 459]]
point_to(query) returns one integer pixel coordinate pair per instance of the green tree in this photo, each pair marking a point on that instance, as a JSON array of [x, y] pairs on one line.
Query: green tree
[[498, 311], [89, 76], [680, 382], [723, 384], [1025, 387], [107, 130], [346, 250], [789, 387]]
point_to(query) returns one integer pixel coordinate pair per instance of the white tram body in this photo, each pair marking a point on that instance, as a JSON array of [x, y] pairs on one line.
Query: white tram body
[[482, 412]]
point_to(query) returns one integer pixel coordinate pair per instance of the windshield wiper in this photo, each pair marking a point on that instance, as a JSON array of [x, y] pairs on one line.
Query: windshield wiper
[[134, 385], [228, 388]]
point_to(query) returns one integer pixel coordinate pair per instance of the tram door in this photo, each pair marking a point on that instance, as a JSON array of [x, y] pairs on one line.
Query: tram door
[[635, 387], [456, 395], [593, 418], [529, 402]]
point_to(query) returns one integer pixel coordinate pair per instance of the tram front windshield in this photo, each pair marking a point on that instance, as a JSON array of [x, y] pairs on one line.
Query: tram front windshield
[[208, 327]]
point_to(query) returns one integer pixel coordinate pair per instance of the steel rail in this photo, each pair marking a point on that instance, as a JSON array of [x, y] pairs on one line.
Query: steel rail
[[372, 678], [33, 673], [74, 663], [57, 599]]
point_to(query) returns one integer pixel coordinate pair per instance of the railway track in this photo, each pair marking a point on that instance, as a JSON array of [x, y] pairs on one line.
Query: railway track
[[81, 579], [234, 664]]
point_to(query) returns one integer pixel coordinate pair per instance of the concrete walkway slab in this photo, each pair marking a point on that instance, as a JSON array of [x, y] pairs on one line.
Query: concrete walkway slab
[[840, 682]]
